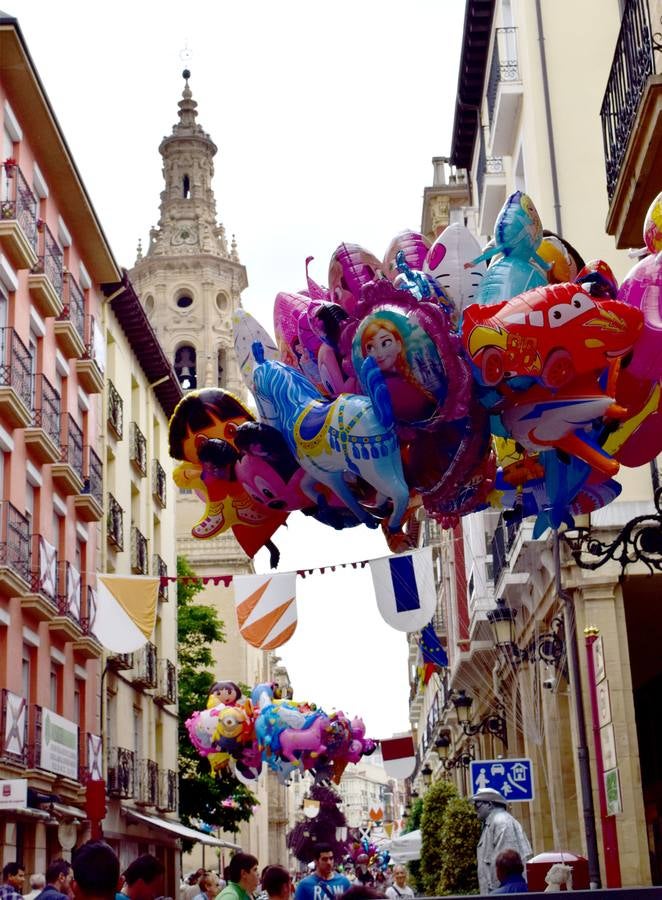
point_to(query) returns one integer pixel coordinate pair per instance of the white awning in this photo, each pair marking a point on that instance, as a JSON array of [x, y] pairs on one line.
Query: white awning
[[181, 830]]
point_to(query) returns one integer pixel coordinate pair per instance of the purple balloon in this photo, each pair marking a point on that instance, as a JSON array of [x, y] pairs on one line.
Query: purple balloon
[[642, 288]]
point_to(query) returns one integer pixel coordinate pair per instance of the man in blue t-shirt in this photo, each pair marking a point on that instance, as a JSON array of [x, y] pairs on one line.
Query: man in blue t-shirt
[[324, 883]]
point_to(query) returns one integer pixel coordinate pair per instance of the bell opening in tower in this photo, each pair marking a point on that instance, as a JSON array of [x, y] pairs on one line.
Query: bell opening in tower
[[185, 367], [186, 187]]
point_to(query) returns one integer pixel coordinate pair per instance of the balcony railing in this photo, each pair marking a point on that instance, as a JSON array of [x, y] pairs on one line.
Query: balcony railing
[[69, 596], [631, 68], [13, 728], [504, 537], [168, 790], [34, 744], [90, 754], [14, 540], [50, 258], [95, 348], [20, 204], [138, 448], [74, 306], [144, 674], [166, 688], [46, 413], [16, 366], [139, 556], [115, 523], [159, 483], [160, 568], [487, 165], [72, 445], [121, 773], [505, 66], [87, 620], [115, 411], [44, 575], [94, 480], [148, 782]]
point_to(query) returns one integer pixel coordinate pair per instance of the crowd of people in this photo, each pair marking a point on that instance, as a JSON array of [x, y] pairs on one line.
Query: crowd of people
[[94, 872]]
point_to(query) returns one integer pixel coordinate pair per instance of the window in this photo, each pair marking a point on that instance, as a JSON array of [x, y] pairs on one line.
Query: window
[[184, 301], [28, 655], [79, 701], [149, 304], [222, 365], [56, 687], [186, 187], [222, 302]]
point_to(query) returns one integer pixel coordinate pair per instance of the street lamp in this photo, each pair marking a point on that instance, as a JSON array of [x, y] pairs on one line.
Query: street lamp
[[548, 647], [426, 775], [492, 724]]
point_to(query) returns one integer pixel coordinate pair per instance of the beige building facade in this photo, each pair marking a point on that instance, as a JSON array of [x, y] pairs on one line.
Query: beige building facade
[[536, 113]]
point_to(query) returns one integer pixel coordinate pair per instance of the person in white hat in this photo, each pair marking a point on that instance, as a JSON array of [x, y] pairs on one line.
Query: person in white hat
[[501, 831]]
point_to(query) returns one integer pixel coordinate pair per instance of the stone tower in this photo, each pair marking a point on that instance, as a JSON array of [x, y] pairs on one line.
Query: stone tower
[[190, 283]]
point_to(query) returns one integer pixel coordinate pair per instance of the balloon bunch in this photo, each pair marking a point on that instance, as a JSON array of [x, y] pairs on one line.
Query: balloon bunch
[[407, 381], [285, 735], [365, 853]]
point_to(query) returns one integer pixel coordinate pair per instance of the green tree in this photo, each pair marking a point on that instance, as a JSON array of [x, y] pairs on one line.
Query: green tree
[[435, 803], [460, 833], [201, 793], [413, 824]]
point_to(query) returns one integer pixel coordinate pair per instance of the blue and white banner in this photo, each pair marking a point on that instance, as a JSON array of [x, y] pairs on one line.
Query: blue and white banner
[[405, 589]]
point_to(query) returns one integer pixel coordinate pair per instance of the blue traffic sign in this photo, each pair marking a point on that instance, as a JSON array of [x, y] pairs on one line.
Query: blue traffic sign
[[511, 777]]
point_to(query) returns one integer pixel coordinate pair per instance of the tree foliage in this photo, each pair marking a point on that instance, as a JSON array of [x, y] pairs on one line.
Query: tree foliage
[[413, 823], [220, 800], [435, 805], [320, 830], [459, 836]]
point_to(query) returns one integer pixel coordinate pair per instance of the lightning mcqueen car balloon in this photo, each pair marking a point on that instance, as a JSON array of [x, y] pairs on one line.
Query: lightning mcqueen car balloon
[[552, 333]]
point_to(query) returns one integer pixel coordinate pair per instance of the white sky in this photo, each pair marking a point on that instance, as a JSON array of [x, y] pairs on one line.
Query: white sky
[[326, 114]]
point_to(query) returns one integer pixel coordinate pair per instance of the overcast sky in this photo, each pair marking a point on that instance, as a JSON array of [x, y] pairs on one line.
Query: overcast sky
[[326, 116]]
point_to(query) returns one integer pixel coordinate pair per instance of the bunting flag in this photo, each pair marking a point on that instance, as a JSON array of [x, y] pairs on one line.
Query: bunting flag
[[399, 756], [431, 647], [266, 608], [405, 589], [125, 611]]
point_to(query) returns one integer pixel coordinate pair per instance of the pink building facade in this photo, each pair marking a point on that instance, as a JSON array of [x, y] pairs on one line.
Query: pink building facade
[[53, 259]]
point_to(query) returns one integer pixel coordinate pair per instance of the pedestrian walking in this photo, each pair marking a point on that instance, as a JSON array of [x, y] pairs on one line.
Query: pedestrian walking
[[143, 878], [241, 876], [323, 883], [510, 872], [37, 882], [59, 875], [399, 889], [96, 872], [13, 879]]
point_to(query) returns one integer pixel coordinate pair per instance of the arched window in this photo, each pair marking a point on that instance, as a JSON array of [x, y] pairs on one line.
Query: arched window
[[149, 304], [185, 367], [222, 302], [184, 301], [186, 187]]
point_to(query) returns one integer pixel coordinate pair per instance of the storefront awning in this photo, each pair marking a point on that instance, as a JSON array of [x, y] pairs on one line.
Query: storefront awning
[[25, 812], [180, 830]]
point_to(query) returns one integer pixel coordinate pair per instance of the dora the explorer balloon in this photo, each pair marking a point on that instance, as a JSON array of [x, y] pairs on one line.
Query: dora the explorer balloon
[[201, 435]]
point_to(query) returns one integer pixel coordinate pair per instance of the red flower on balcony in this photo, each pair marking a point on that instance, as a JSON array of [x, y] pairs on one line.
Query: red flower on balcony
[[9, 165]]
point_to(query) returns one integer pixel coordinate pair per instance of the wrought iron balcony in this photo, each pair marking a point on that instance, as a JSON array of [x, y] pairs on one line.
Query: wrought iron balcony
[[145, 664], [91, 367], [115, 411], [69, 596], [138, 449], [14, 550], [139, 555], [18, 220], [15, 379], [50, 258], [42, 601], [120, 661], [94, 480], [491, 187], [115, 523], [121, 773], [68, 473], [44, 435], [166, 688], [143, 673], [70, 324], [504, 537], [13, 728], [168, 790], [148, 783], [160, 568], [632, 66], [505, 65], [159, 483], [90, 755]]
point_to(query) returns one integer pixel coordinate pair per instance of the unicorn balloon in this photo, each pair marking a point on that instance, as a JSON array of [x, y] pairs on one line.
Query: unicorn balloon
[[350, 436]]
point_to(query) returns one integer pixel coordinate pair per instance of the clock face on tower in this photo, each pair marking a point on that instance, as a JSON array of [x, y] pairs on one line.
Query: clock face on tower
[[184, 234]]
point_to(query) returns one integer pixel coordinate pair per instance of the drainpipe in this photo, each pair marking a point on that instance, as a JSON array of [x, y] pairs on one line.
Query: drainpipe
[[548, 117], [572, 650]]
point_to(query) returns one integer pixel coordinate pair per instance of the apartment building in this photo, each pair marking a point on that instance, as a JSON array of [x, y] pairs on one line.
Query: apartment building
[[580, 132]]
